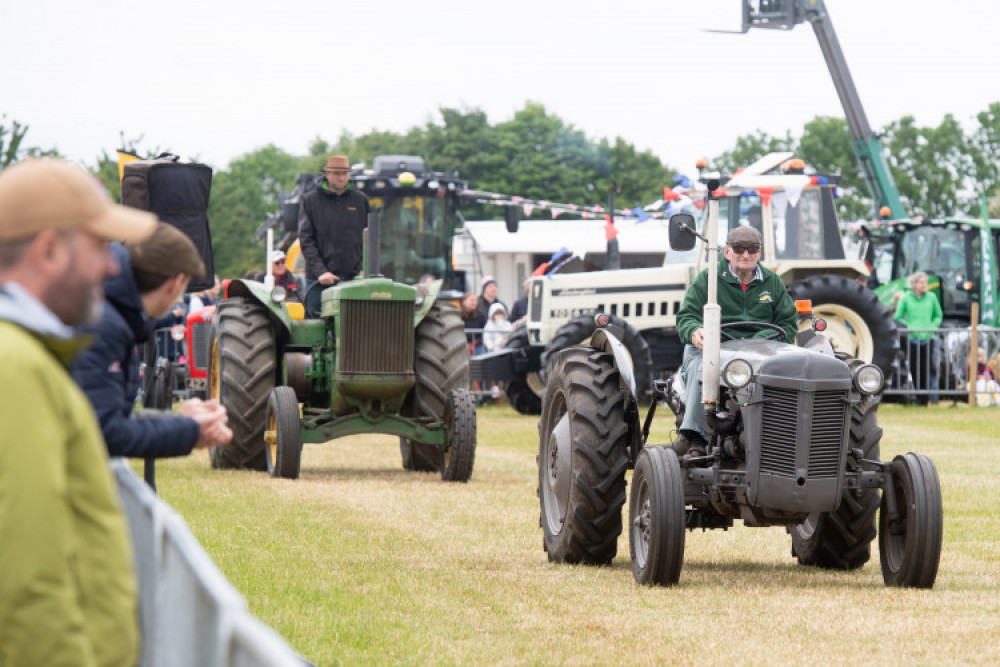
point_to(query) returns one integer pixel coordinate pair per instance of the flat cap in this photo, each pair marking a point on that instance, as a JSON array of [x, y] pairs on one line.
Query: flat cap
[[743, 234]]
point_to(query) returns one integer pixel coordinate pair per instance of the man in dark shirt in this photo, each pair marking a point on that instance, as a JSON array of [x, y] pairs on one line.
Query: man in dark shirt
[[332, 219]]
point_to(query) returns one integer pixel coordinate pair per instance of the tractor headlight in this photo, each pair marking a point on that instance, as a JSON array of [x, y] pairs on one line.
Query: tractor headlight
[[868, 379], [278, 294], [737, 373]]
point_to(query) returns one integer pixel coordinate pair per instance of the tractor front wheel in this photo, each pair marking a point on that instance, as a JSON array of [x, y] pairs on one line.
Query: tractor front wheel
[[460, 420], [910, 542], [284, 434], [656, 517], [582, 458]]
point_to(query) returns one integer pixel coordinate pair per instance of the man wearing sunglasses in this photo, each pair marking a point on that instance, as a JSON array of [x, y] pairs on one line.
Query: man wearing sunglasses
[[747, 292]]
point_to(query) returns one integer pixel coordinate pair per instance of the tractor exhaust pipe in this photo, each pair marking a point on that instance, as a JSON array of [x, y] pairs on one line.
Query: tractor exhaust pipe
[[373, 238]]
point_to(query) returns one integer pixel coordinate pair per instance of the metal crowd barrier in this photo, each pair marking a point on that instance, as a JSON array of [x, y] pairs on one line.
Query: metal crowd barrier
[[939, 369], [189, 613]]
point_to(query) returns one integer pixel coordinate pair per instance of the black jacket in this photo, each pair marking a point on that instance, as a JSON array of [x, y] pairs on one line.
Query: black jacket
[[330, 231], [108, 373]]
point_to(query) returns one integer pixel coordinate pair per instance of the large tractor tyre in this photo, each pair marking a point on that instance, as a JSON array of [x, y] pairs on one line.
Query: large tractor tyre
[[242, 369], [582, 458], [580, 329], [458, 459], [656, 517], [519, 391], [841, 540], [442, 360], [419, 458], [284, 434], [858, 324], [910, 543], [441, 365]]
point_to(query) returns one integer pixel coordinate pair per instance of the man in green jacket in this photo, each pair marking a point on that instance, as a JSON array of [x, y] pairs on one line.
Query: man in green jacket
[[67, 583], [746, 292]]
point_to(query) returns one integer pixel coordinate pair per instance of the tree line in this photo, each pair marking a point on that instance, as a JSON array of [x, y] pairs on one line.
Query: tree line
[[940, 171]]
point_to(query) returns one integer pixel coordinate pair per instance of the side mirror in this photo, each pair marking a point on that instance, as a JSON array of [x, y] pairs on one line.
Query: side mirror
[[512, 216], [681, 233]]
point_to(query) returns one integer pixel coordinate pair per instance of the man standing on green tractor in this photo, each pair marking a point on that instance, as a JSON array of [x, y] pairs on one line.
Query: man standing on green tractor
[[748, 292], [332, 219]]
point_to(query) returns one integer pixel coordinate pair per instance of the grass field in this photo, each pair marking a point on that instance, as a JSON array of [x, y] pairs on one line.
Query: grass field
[[361, 562]]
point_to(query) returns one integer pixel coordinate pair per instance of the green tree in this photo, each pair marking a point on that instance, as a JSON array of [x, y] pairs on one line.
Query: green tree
[[928, 164], [826, 147], [983, 147], [750, 148], [242, 197], [11, 139]]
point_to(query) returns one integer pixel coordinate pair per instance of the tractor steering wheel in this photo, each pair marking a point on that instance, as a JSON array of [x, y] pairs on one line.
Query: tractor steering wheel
[[777, 332]]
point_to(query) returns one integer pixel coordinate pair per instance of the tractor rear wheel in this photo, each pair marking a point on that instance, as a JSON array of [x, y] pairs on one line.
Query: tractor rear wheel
[[242, 371], [656, 517], [841, 540], [417, 457], [284, 434], [460, 420], [579, 330], [519, 391], [441, 365], [858, 324], [582, 458], [910, 544]]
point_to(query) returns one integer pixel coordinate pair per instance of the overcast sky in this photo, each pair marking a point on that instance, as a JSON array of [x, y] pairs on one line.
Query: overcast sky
[[216, 79]]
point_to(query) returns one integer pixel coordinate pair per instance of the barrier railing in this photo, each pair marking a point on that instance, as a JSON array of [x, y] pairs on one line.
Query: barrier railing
[[938, 366], [189, 613]]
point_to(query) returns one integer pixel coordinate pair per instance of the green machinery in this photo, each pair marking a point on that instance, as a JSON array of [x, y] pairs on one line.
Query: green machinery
[[959, 254], [383, 357]]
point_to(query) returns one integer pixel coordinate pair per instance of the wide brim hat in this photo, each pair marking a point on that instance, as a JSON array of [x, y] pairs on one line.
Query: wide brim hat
[[337, 163]]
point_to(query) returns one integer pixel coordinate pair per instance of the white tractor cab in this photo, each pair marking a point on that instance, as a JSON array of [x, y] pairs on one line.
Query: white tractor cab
[[801, 242]]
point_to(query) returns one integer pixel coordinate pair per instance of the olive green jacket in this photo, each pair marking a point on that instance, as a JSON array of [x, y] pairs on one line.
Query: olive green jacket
[[765, 300], [67, 582]]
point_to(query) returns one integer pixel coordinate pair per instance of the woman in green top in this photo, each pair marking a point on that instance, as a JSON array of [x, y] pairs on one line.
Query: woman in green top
[[920, 309]]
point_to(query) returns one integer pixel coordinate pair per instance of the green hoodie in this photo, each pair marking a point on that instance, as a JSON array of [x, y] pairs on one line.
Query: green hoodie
[[766, 300], [67, 583]]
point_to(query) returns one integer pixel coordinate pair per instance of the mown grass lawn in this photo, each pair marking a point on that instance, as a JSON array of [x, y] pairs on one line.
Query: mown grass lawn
[[361, 562]]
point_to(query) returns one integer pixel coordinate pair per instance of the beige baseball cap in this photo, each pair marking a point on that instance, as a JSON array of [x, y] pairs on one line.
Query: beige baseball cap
[[50, 193]]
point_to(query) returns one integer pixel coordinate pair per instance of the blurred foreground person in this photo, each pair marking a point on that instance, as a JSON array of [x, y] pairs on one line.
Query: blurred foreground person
[[154, 274], [67, 583]]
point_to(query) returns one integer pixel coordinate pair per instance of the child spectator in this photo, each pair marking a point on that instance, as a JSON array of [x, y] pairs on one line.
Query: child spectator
[[497, 327]]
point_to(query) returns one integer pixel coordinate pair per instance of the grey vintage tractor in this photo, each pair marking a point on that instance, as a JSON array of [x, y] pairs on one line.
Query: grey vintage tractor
[[383, 357], [795, 443]]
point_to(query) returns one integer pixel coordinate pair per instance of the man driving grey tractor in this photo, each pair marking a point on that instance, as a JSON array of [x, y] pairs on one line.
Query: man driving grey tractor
[[747, 292]]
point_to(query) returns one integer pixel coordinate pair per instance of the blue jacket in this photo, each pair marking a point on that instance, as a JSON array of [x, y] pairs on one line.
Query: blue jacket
[[108, 373]]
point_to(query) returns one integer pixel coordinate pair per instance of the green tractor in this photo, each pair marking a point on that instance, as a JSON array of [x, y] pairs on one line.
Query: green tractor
[[383, 357]]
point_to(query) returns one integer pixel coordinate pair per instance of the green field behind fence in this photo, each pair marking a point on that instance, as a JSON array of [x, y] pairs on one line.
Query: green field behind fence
[[361, 562]]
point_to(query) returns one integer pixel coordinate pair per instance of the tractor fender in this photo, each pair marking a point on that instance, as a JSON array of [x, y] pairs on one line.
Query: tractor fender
[[605, 340], [251, 289]]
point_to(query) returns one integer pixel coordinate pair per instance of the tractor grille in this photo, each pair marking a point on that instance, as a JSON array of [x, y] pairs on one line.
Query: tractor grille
[[816, 420], [200, 332], [376, 336]]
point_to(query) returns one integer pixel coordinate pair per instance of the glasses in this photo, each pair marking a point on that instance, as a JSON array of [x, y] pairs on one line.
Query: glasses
[[278, 261], [740, 249]]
